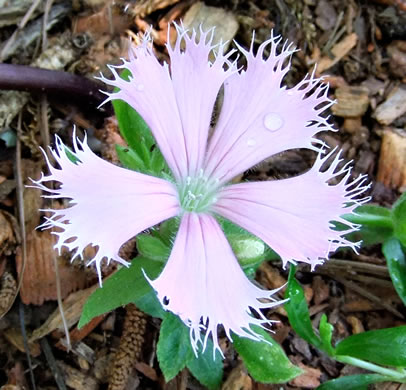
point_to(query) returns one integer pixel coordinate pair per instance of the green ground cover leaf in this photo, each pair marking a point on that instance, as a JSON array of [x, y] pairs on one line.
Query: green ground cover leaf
[[266, 361], [386, 347]]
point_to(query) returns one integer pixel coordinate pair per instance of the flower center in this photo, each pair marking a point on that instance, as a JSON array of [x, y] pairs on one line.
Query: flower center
[[197, 194]]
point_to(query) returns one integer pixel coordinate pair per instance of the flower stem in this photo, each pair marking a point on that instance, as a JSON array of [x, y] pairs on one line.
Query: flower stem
[[391, 374]]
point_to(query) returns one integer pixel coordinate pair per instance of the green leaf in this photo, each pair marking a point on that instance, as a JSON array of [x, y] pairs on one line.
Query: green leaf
[[130, 159], [207, 369], [158, 163], [174, 350], [298, 312], [326, 334], [168, 229], [152, 247], [125, 286], [265, 360], [132, 126], [399, 218], [149, 303], [353, 382], [383, 346], [376, 224], [396, 260]]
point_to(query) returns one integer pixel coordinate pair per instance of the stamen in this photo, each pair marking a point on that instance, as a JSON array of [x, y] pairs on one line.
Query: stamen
[[197, 194]]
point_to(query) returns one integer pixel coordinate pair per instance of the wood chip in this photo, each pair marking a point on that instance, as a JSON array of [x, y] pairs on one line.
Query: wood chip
[[392, 159], [321, 289], [359, 305], [271, 276], [339, 50], [8, 291], [393, 107], [147, 370], [143, 8], [7, 238], [352, 102], [203, 16], [76, 379], [238, 380], [356, 324], [310, 379]]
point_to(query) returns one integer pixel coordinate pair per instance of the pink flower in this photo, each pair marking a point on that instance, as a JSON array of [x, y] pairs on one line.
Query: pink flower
[[202, 281]]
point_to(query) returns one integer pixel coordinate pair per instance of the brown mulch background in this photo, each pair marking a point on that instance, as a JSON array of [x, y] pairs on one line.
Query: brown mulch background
[[360, 47]]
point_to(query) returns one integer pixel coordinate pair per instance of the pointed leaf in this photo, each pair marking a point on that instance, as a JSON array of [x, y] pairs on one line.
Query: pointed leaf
[[376, 224], [207, 369], [326, 334], [396, 260], [149, 304], [174, 350], [298, 312], [125, 286], [266, 361], [399, 218], [383, 346], [152, 247]]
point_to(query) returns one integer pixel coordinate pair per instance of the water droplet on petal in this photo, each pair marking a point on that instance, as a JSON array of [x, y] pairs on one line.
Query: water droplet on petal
[[139, 87], [251, 142], [273, 121]]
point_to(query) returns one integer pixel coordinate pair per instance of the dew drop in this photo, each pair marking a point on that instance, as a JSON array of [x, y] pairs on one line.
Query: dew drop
[[139, 87], [251, 142], [273, 121]]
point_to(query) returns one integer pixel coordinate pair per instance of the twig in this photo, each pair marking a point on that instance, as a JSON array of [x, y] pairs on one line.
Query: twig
[[352, 266], [62, 84], [351, 275], [25, 342], [361, 291], [52, 364], [333, 38], [48, 6], [44, 130], [20, 26]]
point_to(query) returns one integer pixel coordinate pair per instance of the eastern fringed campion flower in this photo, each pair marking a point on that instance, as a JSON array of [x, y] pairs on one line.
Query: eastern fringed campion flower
[[202, 281]]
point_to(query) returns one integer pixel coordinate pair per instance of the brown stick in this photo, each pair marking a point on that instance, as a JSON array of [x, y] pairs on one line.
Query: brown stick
[[62, 84]]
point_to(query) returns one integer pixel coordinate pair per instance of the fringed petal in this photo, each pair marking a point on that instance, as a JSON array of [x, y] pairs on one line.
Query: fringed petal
[[295, 216], [109, 204], [260, 117], [177, 104], [204, 284], [196, 82]]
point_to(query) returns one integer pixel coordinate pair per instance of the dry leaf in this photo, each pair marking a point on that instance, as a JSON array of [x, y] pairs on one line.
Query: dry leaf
[[39, 282], [72, 307], [339, 50]]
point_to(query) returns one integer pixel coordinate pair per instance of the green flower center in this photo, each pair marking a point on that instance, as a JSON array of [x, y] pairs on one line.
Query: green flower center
[[197, 194]]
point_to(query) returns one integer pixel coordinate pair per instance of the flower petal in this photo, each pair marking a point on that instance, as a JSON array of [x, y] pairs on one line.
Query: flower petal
[[109, 204], [204, 284], [294, 216], [176, 104], [260, 118]]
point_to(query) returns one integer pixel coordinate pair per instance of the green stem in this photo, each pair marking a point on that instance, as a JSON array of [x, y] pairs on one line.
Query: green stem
[[394, 375]]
